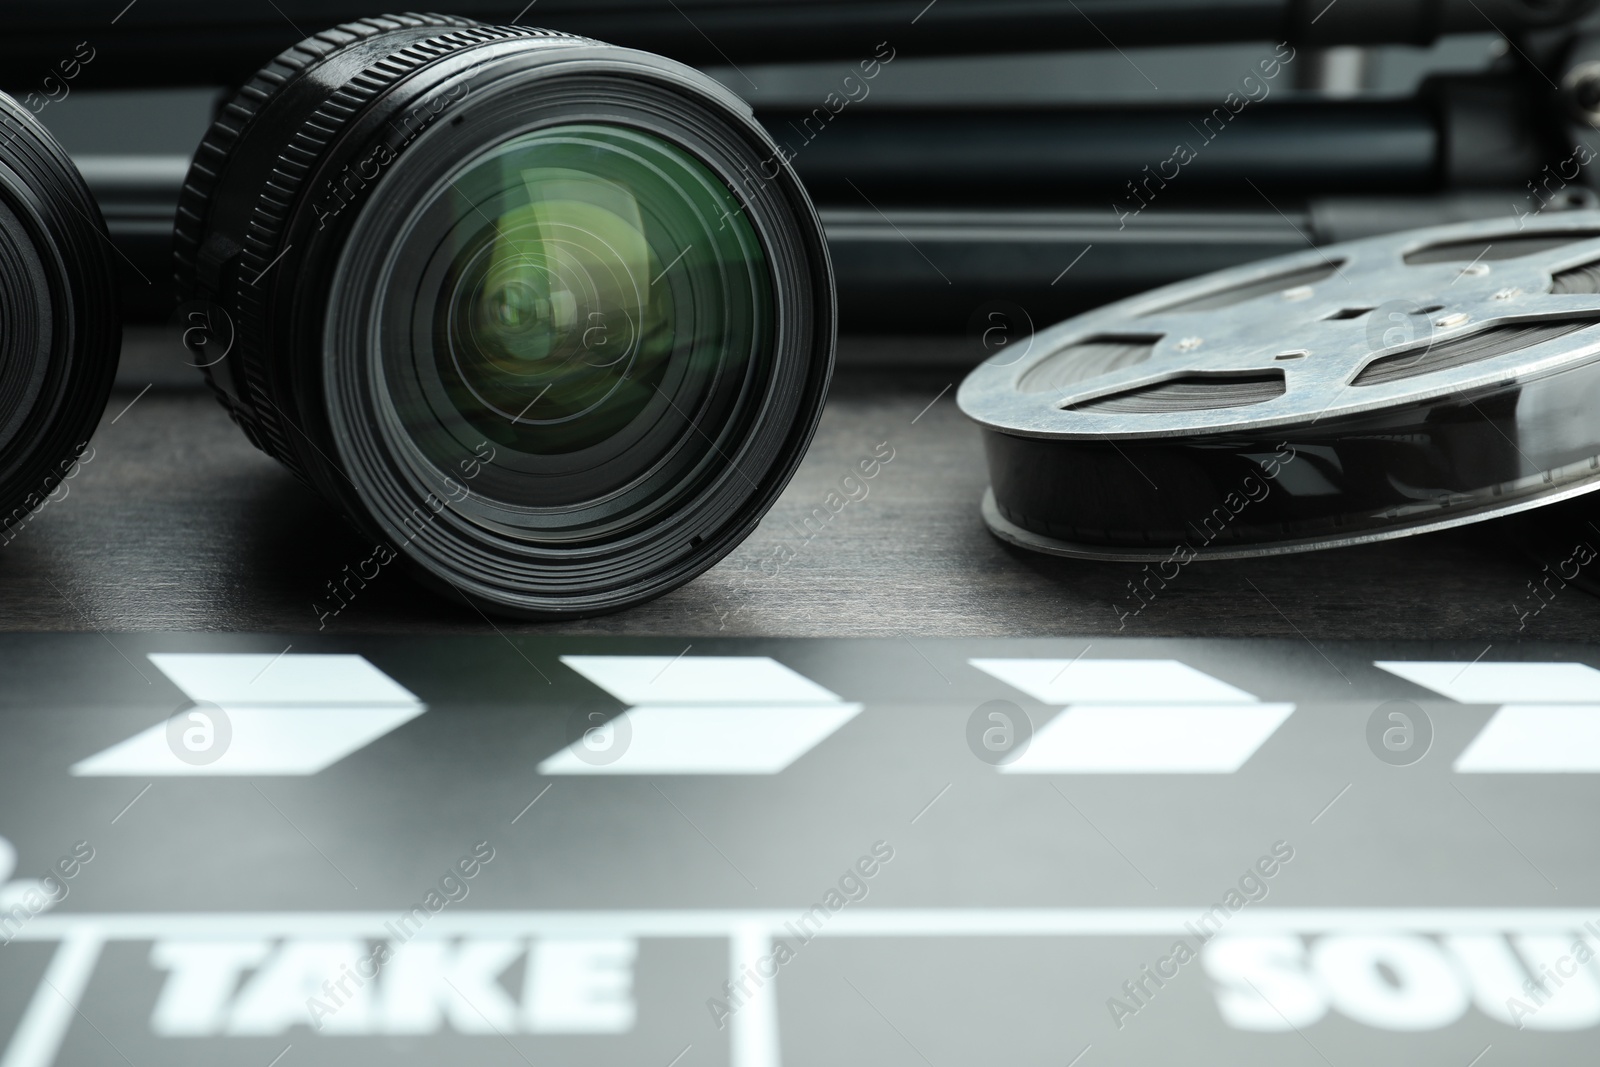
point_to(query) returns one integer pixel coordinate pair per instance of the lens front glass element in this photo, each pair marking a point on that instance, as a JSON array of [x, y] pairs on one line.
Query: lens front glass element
[[577, 314]]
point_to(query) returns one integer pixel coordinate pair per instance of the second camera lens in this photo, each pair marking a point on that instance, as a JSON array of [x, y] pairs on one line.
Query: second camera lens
[[59, 335]]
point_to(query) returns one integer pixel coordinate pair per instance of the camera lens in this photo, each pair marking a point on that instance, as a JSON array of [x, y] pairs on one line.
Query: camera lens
[[552, 319], [59, 331]]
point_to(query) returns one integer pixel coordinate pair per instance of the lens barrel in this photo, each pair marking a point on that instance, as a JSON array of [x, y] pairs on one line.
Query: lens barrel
[[551, 319], [59, 331]]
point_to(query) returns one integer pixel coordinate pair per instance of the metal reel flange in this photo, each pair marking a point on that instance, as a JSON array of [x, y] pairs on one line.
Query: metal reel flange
[[1371, 389]]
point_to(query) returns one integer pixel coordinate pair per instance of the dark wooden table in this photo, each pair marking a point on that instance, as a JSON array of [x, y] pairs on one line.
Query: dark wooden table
[[178, 524]]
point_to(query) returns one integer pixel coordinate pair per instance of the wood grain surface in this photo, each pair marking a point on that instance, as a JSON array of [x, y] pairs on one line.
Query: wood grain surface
[[177, 524]]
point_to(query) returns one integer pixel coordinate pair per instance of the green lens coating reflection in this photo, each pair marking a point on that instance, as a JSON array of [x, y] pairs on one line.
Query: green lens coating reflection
[[582, 271]]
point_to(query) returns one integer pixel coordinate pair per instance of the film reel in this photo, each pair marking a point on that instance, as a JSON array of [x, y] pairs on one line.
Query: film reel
[[1351, 393]]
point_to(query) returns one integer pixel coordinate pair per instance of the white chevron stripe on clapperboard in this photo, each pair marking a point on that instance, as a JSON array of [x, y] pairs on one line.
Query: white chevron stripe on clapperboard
[[704, 715], [1548, 721], [1136, 716], [287, 714]]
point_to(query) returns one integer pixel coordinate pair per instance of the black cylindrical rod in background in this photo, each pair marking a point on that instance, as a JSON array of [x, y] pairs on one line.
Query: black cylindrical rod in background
[[201, 42]]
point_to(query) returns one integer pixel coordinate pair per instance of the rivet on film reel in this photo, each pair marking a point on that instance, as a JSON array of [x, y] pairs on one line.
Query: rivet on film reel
[[1352, 393]]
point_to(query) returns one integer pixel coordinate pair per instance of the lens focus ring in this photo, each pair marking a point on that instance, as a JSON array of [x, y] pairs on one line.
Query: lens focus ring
[[226, 229]]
